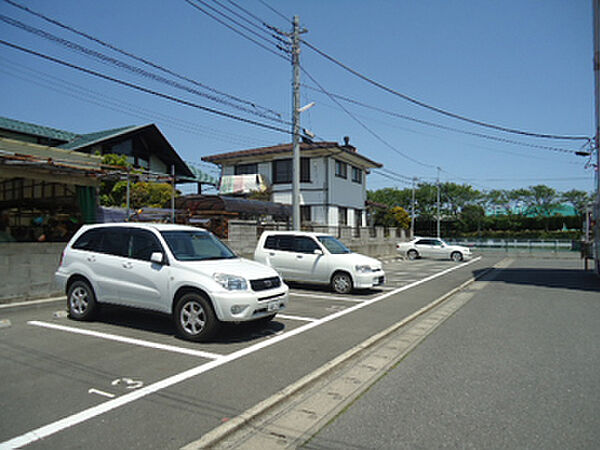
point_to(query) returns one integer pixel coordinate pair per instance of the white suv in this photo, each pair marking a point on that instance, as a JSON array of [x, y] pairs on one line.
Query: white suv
[[183, 271], [318, 258]]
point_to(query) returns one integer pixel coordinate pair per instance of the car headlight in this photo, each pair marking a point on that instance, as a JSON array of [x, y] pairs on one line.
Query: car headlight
[[363, 269], [231, 282]]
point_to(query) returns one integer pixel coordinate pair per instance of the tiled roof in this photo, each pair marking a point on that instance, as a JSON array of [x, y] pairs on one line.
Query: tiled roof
[[84, 140], [287, 148], [36, 130], [201, 177], [282, 148]]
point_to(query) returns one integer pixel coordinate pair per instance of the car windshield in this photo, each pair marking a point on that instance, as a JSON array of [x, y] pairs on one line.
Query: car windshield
[[333, 245], [191, 245]]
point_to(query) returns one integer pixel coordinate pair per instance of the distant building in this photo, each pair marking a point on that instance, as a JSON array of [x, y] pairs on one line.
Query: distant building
[[333, 178], [560, 210]]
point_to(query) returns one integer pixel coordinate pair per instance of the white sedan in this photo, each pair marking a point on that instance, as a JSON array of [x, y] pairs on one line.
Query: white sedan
[[432, 248]]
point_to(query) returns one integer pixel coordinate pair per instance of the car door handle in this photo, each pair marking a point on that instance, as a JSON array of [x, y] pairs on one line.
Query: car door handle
[[299, 256], [271, 253], [128, 265], [91, 258]]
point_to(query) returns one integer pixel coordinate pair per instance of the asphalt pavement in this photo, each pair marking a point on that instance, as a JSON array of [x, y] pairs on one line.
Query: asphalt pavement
[[518, 366]]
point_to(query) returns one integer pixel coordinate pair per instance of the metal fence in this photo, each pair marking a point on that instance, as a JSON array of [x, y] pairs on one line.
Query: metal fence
[[520, 245]]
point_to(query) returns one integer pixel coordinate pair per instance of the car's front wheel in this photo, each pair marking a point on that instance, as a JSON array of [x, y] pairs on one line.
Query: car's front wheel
[[81, 301], [456, 256], [341, 283], [194, 317]]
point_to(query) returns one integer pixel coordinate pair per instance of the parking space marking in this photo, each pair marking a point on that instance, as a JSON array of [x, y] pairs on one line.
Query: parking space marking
[[126, 340], [33, 302], [304, 319], [328, 297], [85, 415], [102, 393]]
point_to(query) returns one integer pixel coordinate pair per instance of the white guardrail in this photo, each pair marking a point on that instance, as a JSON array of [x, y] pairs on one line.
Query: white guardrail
[[519, 244]]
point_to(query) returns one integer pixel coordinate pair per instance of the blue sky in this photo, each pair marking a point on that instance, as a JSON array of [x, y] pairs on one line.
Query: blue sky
[[521, 64]]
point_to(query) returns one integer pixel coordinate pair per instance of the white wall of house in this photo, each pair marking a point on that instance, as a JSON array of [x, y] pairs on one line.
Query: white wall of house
[[325, 192]]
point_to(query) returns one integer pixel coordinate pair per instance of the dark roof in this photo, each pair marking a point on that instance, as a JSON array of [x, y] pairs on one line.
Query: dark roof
[[219, 203], [287, 148], [80, 142], [85, 140], [35, 130]]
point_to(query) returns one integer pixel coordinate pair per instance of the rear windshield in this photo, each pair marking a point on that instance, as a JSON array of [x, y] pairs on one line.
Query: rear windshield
[[333, 245], [191, 245]]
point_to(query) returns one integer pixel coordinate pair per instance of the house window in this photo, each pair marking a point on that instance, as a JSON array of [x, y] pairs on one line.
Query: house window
[[342, 215], [341, 169], [358, 218], [356, 175], [246, 169], [282, 170], [305, 213]]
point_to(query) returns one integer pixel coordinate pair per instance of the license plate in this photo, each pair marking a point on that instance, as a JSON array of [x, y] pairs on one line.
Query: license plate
[[273, 306]]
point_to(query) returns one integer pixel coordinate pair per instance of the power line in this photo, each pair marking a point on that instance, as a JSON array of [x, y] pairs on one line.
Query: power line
[[439, 110], [396, 174], [468, 146], [274, 10], [235, 30], [444, 127], [101, 99], [140, 59], [244, 27], [260, 27], [390, 177], [143, 89], [123, 65], [356, 119]]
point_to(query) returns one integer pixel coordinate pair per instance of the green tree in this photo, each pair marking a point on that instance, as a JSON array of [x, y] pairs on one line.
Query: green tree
[[579, 199], [109, 183], [113, 190], [472, 217], [457, 196], [397, 216], [542, 200], [499, 198]]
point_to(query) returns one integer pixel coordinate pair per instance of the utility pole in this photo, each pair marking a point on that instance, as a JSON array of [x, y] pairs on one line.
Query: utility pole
[[596, 7], [296, 125], [173, 194], [438, 202], [412, 209]]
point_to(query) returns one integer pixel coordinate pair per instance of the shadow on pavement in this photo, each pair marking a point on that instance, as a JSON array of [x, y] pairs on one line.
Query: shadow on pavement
[[163, 324], [545, 277]]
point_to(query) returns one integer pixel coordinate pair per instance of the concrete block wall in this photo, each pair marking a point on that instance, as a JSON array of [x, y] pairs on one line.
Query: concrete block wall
[[27, 270], [243, 236]]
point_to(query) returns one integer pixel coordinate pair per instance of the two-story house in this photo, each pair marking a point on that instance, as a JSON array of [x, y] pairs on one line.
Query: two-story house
[[332, 178]]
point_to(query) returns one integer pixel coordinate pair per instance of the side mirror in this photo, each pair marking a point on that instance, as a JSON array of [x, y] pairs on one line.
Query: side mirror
[[317, 251], [157, 258]]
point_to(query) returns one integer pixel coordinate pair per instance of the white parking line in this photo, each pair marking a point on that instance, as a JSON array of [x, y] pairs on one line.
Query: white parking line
[[328, 297], [126, 340], [33, 302], [305, 319], [90, 413]]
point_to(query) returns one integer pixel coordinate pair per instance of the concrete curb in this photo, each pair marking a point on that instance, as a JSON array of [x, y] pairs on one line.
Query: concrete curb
[[220, 433]]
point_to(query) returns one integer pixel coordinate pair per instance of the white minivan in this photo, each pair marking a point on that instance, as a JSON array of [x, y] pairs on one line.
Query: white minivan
[[179, 270], [318, 258]]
